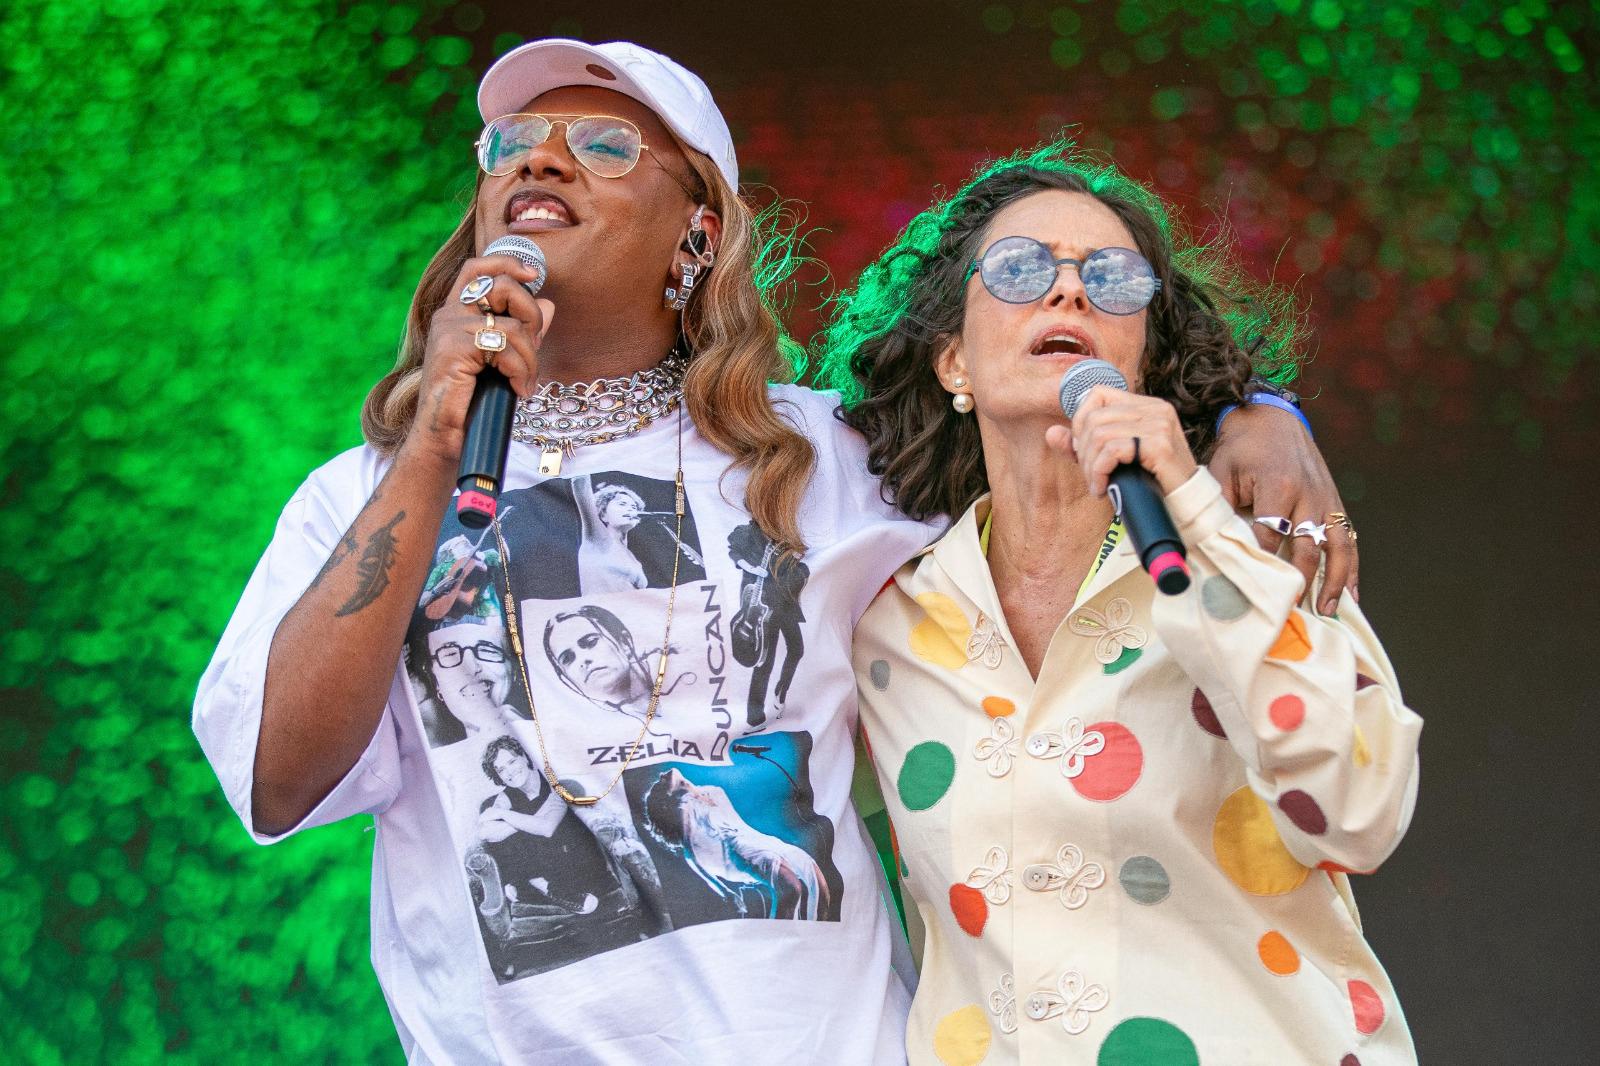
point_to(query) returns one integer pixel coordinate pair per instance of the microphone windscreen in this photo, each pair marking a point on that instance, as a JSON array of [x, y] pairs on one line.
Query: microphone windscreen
[[524, 251], [1081, 377]]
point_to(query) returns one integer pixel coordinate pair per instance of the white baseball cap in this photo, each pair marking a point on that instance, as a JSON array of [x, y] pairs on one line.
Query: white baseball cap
[[680, 99]]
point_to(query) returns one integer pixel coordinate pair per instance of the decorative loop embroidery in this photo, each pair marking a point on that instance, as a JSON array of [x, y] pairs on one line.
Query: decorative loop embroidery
[[1071, 745], [993, 878], [986, 644], [1073, 1000], [1114, 630], [998, 749], [1003, 1003], [1070, 873]]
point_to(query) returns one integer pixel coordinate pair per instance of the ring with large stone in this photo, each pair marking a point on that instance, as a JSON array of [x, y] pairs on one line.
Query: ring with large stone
[[1318, 532], [489, 340], [1277, 523], [476, 290]]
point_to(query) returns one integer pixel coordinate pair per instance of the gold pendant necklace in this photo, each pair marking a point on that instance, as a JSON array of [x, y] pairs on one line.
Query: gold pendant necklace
[[508, 611]]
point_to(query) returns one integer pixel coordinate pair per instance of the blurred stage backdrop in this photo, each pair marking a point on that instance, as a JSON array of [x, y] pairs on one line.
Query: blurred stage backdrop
[[214, 214]]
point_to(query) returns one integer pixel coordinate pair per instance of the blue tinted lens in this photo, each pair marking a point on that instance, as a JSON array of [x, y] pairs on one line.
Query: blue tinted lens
[[1017, 270], [1119, 281], [507, 139], [606, 146]]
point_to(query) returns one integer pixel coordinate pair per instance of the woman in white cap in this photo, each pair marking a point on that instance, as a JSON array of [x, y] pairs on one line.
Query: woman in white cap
[[654, 372]]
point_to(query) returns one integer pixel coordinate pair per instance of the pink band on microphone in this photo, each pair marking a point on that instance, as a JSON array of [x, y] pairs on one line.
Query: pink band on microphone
[[1166, 561], [475, 501]]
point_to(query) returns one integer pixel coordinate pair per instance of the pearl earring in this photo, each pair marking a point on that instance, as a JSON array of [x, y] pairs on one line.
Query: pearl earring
[[962, 402]]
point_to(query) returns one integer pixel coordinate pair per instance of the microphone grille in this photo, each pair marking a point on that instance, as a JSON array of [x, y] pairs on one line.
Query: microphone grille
[[1081, 377], [524, 251]]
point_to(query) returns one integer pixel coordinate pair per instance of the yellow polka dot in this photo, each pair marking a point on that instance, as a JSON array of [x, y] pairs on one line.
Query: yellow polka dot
[[962, 1037], [1362, 755], [941, 638], [998, 707], [1249, 849]]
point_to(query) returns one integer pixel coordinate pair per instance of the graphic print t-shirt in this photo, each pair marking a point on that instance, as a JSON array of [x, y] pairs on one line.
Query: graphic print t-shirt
[[721, 900]]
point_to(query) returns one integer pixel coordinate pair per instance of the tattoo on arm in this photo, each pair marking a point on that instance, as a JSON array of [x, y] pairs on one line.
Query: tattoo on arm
[[373, 568], [341, 551]]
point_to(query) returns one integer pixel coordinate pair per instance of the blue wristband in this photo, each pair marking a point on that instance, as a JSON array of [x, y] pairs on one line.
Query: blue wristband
[[1271, 401]]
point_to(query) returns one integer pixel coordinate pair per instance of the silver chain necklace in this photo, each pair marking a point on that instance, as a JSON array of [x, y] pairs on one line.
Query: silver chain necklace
[[560, 418]]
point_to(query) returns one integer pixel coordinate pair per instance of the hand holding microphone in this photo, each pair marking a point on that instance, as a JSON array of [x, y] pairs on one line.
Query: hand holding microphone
[[1132, 448]]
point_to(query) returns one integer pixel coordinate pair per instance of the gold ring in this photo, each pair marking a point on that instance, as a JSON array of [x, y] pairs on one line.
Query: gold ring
[[489, 340], [1339, 518]]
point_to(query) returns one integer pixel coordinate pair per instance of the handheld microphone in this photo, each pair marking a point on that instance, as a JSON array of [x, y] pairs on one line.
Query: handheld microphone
[[488, 437], [1133, 490]]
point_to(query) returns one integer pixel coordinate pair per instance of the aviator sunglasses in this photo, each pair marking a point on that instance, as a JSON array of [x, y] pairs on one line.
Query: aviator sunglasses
[[603, 144], [1020, 270]]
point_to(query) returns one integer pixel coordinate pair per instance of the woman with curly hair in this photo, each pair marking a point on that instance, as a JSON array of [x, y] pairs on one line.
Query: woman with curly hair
[[1125, 819]]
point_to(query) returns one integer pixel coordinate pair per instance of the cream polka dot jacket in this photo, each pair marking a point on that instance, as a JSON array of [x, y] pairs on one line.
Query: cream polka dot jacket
[[1142, 857]]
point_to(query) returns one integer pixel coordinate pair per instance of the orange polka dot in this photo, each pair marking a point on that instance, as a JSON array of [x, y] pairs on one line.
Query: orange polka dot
[[1277, 954], [1294, 643], [998, 707], [970, 908], [1287, 712], [1368, 1007]]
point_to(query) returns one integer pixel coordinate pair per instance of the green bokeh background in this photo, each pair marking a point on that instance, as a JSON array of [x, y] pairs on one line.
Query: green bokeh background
[[214, 216]]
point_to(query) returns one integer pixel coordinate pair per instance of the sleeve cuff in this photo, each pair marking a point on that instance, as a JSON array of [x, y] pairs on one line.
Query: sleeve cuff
[[1198, 507]]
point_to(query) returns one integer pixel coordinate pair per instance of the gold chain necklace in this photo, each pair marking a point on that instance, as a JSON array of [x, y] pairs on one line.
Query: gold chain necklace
[[508, 611]]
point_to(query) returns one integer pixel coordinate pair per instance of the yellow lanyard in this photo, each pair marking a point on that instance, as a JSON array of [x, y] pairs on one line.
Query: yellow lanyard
[[1109, 544]]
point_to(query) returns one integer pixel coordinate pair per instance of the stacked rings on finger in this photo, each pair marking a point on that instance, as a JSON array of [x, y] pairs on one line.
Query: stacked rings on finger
[[1277, 523], [1339, 518], [489, 340]]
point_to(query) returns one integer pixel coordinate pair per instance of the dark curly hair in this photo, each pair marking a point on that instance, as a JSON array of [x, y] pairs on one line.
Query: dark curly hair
[[496, 746], [1209, 326]]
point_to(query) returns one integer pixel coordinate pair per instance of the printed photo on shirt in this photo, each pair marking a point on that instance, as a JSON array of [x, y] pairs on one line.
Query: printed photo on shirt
[[598, 534], [674, 844], [767, 623]]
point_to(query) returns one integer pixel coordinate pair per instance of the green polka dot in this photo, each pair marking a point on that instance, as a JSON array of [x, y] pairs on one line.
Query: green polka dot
[[926, 774], [1128, 657], [1147, 1042], [1145, 880], [1222, 599]]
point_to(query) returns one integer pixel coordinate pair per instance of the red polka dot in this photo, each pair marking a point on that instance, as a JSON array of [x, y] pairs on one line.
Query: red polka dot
[[1367, 1006], [1287, 712], [1303, 812], [970, 908], [1335, 868], [1109, 774], [1349, 1060], [1203, 713]]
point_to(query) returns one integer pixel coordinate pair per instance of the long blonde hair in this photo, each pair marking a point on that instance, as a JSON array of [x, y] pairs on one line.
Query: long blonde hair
[[732, 331]]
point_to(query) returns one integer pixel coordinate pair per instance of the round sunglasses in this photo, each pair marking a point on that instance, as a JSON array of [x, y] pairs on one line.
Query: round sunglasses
[[1020, 270], [603, 144]]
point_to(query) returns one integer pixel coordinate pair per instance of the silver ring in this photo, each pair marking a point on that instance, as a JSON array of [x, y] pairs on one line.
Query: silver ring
[[1318, 532], [477, 289], [1277, 523]]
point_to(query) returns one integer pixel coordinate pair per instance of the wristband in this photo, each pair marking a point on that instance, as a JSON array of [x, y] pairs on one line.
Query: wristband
[[1269, 400]]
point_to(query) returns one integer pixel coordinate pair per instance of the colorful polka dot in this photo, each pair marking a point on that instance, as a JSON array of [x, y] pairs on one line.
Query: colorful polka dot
[[1249, 850], [1360, 754], [1144, 880], [941, 638], [998, 707], [1294, 642], [970, 908], [879, 672], [1222, 599], [1128, 657], [1287, 712], [1277, 954], [1368, 1007], [925, 775], [1109, 774], [1205, 714], [1363, 681], [1147, 1042], [1349, 1060], [1303, 812], [962, 1037]]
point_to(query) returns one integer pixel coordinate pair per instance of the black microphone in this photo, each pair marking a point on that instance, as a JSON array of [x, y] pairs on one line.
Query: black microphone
[[488, 438], [1133, 490]]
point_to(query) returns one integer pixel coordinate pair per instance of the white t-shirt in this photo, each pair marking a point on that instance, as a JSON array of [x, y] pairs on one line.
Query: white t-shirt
[[510, 927]]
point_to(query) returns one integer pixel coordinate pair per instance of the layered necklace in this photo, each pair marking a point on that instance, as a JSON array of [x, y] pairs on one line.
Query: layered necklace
[[558, 419], [542, 420]]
